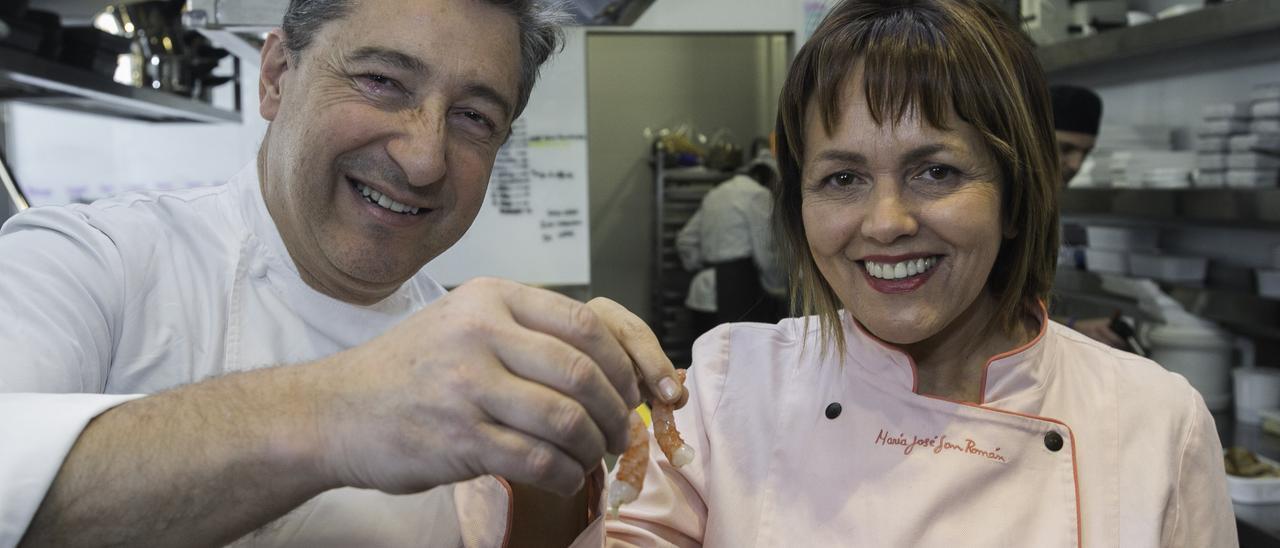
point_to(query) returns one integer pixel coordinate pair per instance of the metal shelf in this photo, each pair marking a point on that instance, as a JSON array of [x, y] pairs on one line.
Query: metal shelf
[[1238, 28], [1254, 209], [28, 78]]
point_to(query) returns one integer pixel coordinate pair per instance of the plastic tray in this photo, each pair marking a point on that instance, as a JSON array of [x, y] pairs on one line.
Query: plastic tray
[[1170, 268], [1252, 160], [1269, 283], [1215, 161], [1111, 238], [1105, 260], [1255, 490]]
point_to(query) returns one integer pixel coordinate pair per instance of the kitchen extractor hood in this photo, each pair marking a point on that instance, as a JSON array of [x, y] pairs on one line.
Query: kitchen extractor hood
[[238, 25], [257, 15]]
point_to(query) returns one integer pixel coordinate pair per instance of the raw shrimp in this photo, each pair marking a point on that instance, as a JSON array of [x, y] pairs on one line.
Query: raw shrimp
[[664, 430], [631, 467], [633, 463]]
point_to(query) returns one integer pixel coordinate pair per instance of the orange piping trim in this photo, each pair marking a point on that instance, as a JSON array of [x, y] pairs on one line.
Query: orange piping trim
[[511, 509]]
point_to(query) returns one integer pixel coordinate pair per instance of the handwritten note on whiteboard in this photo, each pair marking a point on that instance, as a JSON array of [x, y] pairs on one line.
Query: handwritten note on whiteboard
[[533, 227]]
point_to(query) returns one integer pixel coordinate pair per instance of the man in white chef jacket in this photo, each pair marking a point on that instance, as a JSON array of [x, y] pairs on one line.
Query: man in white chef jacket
[[265, 361]]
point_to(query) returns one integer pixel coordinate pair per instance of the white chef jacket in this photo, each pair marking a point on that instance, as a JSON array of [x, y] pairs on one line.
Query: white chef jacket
[[1137, 460], [143, 292], [731, 223]]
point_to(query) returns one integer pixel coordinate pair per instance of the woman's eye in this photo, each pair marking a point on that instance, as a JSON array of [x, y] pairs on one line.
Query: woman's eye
[[938, 173], [841, 179]]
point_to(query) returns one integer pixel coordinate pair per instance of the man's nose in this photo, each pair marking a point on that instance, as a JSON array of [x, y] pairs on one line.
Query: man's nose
[[1071, 161], [889, 216], [421, 147]]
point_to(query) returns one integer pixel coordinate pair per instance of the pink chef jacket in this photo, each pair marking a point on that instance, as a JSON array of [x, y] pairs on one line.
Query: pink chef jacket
[[1073, 443]]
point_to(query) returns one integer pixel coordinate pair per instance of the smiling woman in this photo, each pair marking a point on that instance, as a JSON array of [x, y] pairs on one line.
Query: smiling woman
[[918, 212]]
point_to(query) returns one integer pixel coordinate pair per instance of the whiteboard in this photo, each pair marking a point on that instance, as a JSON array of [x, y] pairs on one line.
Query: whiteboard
[[533, 226]]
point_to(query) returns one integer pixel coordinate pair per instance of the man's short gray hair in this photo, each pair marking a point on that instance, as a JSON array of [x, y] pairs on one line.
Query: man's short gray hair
[[539, 20]]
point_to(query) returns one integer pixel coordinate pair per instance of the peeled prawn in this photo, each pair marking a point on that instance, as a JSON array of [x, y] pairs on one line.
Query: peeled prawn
[[664, 430], [633, 463]]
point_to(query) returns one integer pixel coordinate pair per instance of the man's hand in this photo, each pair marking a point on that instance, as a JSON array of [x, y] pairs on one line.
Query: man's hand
[[494, 378], [1099, 329]]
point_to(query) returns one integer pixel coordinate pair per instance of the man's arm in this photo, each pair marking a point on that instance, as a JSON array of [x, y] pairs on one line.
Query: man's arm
[[200, 465], [494, 378], [688, 243]]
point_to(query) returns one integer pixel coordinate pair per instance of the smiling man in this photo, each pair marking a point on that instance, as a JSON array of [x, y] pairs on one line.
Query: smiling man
[[264, 362]]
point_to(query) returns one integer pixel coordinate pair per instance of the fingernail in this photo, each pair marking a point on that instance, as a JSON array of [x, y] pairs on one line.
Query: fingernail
[[669, 389]]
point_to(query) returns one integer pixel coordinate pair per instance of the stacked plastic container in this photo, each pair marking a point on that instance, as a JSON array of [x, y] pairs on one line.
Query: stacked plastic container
[[1239, 142], [1134, 251]]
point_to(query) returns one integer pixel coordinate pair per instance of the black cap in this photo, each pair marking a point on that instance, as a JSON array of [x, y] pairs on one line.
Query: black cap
[[1076, 109]]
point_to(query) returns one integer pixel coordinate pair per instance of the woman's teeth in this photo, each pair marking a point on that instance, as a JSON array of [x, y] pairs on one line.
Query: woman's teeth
[[898, 271], [381, 200]]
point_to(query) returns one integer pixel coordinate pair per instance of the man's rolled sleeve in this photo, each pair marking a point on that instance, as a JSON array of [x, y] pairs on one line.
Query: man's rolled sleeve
[[38, 430]]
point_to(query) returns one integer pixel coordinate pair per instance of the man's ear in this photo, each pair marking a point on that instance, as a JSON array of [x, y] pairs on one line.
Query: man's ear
[[275, 64]]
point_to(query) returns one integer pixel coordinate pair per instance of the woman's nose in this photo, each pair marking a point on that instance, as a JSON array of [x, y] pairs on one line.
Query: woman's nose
[[890, 216]]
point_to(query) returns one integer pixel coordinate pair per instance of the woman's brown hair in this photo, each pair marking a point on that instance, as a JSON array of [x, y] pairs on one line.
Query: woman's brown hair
[[935, 58]]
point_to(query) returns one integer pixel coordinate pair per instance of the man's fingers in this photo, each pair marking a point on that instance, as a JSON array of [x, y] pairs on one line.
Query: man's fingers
[[545, 360], [643, 347], [525, 459], [543, 413], [578, 325]]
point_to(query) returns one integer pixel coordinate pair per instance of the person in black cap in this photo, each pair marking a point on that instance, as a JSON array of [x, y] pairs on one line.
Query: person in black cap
[[1077, 112]]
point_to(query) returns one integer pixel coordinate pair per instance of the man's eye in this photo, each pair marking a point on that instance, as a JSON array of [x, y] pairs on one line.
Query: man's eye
[[477, 117], [476, 122], [378, 84]]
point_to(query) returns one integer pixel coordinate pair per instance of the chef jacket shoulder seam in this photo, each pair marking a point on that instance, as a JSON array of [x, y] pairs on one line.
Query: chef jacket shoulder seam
[[1184, 445]]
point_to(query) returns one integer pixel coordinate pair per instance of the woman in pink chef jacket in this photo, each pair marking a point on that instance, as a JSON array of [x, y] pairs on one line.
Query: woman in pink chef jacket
[[926, 399]]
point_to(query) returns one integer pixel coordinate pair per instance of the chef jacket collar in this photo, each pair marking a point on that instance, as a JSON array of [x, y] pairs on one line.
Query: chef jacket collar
[[1012, 380], [271, 258]]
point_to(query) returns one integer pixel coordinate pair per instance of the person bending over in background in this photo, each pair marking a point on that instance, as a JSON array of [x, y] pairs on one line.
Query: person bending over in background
[[182, 368], [729, 244], [927, 399]]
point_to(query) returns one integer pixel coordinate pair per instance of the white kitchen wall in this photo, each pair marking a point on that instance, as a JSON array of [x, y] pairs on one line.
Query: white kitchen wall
[[61, 156]]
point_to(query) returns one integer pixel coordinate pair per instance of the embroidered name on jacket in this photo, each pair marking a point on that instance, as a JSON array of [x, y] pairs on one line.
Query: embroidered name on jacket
[[938, 445]]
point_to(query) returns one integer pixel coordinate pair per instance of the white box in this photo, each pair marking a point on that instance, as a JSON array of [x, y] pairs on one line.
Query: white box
[[1209, 179], [1255, 388], [1263, 92], [1238, 109], [1225, 126], [1213, 161], [1269, 283], [1170, 268], [1253, 160], [1252, 178], [1212, 144], [1089, 12], [1265, 142], [1111, 238], [1266, 109], [1264, 125], [1104, 260]]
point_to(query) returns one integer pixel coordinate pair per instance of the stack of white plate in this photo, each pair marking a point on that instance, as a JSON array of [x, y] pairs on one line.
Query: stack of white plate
[[1152, 168]]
